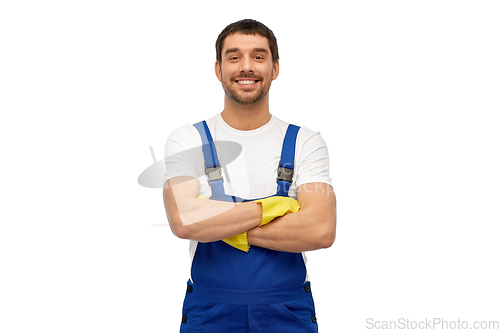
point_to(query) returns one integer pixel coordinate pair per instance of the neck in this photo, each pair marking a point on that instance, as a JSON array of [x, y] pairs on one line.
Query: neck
[[246, 117]]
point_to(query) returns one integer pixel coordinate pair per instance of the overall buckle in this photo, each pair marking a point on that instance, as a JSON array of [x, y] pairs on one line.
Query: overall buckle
[[213, 174], [285, 174]]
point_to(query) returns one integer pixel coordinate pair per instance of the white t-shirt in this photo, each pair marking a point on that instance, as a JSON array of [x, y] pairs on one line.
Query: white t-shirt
[[251, 173]]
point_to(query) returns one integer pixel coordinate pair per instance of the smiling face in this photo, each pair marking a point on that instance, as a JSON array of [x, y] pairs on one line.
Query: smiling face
[[246, 69]]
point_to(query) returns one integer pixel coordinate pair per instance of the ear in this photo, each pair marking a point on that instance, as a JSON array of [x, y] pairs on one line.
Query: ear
[[218, 71], [276, 69]]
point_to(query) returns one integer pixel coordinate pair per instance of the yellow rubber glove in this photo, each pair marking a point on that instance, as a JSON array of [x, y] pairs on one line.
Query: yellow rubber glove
[[276, 206], [239, 241], [272, 207]]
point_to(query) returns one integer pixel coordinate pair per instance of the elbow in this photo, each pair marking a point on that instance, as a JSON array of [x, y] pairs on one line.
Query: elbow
[[188, 232], [327, 237], [181, 232], [185, 232], [327, 240], [178, 229]]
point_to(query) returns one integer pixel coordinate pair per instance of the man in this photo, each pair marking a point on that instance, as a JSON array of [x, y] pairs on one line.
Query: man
[[270, 204]]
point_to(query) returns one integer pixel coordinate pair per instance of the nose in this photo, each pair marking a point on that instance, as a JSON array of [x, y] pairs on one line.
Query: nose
[[246, 64]]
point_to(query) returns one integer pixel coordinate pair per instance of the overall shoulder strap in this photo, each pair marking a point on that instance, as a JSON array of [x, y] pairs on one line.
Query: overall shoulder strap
[[212, 166], [285, 169], [208, 146]]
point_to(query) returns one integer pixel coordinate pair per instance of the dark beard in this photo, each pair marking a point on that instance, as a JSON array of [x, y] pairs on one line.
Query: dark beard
[[243, 99]]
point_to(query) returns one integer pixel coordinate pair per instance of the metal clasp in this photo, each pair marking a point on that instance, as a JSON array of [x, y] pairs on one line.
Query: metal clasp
[[213, 174], [285, 174]]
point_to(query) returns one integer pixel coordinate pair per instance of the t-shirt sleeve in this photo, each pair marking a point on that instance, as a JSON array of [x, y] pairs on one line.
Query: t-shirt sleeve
[[313, 163], [182, 154]]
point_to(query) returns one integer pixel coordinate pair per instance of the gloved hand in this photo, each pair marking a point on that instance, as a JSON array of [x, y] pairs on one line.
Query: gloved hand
[[239, 241], [276, 206], [272, 207]]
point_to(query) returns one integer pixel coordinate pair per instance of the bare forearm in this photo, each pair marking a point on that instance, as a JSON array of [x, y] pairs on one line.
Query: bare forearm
[[202, 219], [208, 220], [297, 232], [240, 218]]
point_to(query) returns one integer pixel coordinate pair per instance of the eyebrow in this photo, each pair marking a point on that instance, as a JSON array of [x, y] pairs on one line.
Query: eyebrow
[[235, 49]]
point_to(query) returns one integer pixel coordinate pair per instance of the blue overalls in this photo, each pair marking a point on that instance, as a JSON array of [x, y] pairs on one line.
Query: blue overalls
[[259, 291]]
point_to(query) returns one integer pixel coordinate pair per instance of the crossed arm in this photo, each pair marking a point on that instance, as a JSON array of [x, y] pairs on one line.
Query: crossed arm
[[311, 228]]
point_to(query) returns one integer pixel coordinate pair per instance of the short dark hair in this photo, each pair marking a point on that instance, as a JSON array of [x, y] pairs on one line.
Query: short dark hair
[[247, 27]]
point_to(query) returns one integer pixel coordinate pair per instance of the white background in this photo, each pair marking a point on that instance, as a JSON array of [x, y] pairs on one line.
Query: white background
[[405, 93]]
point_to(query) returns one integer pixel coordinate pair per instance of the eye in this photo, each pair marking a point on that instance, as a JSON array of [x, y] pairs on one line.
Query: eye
[[259, 57], [233, 58]]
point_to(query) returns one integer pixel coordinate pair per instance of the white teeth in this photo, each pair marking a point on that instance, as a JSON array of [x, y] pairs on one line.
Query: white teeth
[[246, 82]]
